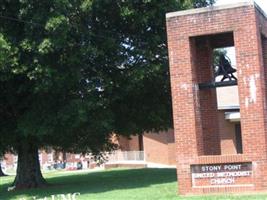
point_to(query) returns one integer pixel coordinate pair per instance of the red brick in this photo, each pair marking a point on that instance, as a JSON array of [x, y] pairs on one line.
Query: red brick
[[191, 38]]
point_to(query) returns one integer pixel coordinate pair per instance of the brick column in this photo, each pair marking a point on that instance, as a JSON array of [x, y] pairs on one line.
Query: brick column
[[252, 95], [186, 115], [207, 98], [195, 111]]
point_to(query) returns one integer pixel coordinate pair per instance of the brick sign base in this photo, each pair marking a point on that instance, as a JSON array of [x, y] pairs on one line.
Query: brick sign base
[[216, 175], [199, 134]]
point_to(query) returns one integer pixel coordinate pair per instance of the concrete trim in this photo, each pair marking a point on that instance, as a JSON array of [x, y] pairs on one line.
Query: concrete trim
[[214, 8], [224, 186], [232, 107], [232, 116]]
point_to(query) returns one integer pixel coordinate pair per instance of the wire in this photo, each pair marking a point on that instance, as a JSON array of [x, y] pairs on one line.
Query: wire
[[42, 26], [20, 20]]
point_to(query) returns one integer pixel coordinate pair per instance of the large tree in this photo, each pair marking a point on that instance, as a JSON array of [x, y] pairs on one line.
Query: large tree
[[74, 71]]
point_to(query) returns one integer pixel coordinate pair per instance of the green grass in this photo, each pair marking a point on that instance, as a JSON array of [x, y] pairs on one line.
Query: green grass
[[123, 184]]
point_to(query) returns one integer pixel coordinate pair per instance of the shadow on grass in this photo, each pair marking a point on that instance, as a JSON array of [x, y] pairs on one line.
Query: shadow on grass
[[98, 182]]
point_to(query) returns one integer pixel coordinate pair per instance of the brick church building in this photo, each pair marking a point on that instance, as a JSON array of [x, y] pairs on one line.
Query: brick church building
[[154, 148]]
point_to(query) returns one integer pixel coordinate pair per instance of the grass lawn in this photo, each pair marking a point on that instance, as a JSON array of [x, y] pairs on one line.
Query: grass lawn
[[119, 184]]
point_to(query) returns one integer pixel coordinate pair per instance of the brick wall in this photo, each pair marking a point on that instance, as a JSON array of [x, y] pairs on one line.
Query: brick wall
[[10, 159], [129, 144], [190, 38], [227, 135], [134, 144], [160, 147]]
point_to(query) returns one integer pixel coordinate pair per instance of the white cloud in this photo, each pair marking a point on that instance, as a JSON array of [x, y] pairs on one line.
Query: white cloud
[[261, 3]]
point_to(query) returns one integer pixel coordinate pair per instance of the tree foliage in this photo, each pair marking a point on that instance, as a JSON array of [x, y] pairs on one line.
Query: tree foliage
[[216, 55], [73, 72]]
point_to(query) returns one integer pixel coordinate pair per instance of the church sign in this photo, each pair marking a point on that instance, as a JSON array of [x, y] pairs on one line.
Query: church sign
[[221, 174]]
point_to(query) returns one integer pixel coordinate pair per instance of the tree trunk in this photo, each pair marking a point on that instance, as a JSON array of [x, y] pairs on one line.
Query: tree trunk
[[1, 171], [28, 170]]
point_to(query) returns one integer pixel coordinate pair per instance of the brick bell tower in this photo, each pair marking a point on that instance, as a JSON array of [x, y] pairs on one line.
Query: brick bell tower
[[202, 165]]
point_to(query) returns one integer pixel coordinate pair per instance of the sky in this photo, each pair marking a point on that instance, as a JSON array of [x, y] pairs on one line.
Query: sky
[[261, 3]]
